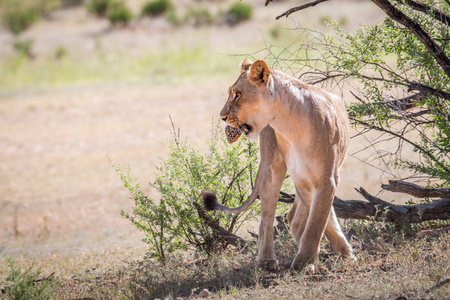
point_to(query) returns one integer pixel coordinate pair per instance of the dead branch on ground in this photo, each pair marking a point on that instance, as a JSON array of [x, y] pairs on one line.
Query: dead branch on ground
[[399, 186], [380, 210], [224, 234]]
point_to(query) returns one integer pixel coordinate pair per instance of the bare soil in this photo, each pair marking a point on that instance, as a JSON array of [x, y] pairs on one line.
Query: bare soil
[[58, 187]]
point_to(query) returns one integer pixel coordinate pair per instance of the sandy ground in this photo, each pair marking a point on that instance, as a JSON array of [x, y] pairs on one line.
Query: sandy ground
[[59, 190], [55, 152], [59, 194]]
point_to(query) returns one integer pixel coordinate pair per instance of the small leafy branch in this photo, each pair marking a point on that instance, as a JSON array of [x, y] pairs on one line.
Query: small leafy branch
[[175, 221], [27, 284]]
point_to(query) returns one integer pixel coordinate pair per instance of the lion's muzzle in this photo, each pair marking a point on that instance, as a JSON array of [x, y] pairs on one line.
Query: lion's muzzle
[[235, 128], [232, 133]]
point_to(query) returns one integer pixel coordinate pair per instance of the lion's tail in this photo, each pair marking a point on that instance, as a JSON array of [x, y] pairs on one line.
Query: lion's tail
[[211, 203]]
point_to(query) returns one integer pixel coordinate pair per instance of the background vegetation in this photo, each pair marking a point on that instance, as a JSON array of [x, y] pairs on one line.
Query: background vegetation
[[174, 222], [392, 263], [398, 84]]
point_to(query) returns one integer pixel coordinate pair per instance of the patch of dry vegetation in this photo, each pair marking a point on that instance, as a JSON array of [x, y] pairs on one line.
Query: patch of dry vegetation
[[390, 265]]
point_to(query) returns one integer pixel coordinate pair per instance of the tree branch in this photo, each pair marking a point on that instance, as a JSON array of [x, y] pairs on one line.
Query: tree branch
[[401, 137], [294, 9], [401, 214], [399, 186], [353, 209], [428, 90], [405, 103], [286, 198], [402, 104], [398, 16], [438, 15]]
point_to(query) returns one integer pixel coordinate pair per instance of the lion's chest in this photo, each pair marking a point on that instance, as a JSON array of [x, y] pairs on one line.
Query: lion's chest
[[296, 160]]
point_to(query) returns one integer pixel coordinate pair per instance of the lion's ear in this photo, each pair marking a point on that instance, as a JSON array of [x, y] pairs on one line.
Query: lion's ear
[[245, 65], [259, 73]]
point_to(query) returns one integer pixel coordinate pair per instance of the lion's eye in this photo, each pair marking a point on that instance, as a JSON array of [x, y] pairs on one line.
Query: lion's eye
[[237, 96]]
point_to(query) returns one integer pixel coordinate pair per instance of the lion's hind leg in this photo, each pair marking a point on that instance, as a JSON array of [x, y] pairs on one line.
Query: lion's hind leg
[[273, 171], [315, 225], [336, 237], [334, 233], [298, 216]]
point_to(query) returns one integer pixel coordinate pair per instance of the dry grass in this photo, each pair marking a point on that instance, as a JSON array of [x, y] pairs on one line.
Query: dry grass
[[389, 266]]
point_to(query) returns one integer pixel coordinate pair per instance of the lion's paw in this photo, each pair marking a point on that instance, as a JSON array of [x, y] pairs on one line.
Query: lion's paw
[[310, 269], [270, 265], [301, 261], [351, 259]]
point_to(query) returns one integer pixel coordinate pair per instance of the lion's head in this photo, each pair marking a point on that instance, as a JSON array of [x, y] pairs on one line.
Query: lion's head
[[244, 112]]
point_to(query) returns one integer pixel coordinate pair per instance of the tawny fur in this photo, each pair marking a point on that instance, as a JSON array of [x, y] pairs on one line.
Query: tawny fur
[[303, 130]]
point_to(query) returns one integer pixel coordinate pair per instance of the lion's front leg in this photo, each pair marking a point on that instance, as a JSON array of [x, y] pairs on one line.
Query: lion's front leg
[[266, 253], [274, 172], [270, 190]]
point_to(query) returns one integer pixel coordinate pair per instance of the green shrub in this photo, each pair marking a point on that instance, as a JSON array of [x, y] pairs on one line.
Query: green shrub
[[24, 47], [239, 12], [100, 7], [157, 7], [172, 222], [199, 16], [325, 19], [119, 13], [61, 52], [71, 3], [45, 7], [172, 17], [18, 16], [275, 31], [27, 284], [343, 21]]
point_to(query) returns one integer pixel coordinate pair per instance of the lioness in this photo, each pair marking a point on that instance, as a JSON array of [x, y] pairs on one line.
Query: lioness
[[303, 130]]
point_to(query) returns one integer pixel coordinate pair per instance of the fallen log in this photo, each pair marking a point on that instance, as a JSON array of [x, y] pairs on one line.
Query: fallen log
[[415, 190], [380, 210]]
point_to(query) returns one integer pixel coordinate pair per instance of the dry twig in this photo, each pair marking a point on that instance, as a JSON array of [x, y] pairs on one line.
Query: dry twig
[[294, 9]]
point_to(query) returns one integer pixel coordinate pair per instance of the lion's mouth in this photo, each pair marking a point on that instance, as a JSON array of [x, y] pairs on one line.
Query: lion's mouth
[[234, 133], [246, 128]]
